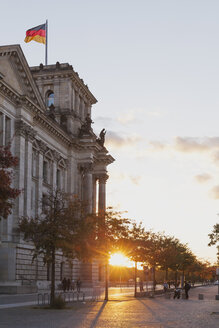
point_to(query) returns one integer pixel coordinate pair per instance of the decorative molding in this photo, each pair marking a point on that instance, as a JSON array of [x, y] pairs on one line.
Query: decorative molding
[[102, 178], [85, 168], [25, 130]]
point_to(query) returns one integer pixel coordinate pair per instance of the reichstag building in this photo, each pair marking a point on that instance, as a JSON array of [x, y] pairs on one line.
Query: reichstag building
[[46, 114]]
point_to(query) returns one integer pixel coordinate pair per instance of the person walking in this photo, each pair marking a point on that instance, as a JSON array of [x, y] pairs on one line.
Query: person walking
[[68, 284], [64, 284], [187, 288], [165, 287], [78, 284]]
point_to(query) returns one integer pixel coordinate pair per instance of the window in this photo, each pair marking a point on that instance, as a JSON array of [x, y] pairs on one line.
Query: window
[[7, 130], [45, 171], [58, 179], [50, 99], [34, 156]]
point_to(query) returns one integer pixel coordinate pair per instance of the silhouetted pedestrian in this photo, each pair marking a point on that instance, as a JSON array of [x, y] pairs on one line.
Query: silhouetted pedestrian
[[187, 288], [64, 284], [68, 284], [78, 284]]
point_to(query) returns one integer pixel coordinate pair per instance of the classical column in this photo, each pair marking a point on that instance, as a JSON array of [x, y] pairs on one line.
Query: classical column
[[82, 109], [87, 185], [94, 193], [56, 156], [102, 193], [22, 147], [77, 102], [39, 193], [30, 134]]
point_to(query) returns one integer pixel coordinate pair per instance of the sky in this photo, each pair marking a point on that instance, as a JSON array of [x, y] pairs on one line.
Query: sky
[[153, 65]]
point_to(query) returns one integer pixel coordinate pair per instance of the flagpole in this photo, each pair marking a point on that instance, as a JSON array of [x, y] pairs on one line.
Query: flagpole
[[46, 48]]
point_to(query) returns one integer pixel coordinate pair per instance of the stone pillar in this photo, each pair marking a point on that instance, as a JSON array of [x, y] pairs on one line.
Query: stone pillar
[[87, 186], [77, 103], [94, 193], [102, 193], [71, 175], [28, 172], [82, 109], [39, 193], [56, 156], [56, 89]]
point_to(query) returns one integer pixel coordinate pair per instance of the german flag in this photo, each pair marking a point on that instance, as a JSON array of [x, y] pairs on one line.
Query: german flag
[[37, 34]]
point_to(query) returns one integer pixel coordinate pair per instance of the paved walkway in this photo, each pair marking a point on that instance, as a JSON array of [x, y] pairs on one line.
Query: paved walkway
[[125, 312]]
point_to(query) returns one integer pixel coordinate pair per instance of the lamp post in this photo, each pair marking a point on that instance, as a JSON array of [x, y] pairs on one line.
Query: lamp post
[[135, 278], [106, 280]]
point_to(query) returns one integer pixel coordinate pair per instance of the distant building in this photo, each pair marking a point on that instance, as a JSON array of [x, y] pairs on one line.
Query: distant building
[[46, 112]]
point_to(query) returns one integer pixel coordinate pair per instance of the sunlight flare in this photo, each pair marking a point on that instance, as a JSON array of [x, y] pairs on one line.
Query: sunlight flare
[[119, 259]]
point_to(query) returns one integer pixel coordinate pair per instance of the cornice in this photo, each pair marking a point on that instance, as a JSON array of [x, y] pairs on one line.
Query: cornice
[[51, 73], [18, 61], [44, 121], [10, 93]]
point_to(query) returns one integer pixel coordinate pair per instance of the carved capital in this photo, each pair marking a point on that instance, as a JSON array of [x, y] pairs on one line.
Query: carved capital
[[85, 168], [25, 130], [102, 178], [42, 146], [56, 155]]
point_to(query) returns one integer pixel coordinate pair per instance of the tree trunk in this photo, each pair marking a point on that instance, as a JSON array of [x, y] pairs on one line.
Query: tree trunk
[[166, 275], [106, 279], [154, 280], [176, 277], [52, 295], [135, 279]]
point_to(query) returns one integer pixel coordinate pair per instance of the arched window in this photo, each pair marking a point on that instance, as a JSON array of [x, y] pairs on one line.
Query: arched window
[[50, 99]]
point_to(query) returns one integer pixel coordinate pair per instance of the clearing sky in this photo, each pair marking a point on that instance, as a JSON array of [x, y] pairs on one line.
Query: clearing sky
[[153, 66]]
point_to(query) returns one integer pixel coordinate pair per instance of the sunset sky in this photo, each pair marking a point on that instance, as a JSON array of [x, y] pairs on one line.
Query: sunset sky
[[153, 65]]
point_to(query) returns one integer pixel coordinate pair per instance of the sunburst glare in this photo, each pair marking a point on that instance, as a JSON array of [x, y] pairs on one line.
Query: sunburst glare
[[119, 259]]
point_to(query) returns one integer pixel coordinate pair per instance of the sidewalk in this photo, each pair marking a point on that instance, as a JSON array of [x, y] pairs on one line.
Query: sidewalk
[[125, 313], [19, 300]]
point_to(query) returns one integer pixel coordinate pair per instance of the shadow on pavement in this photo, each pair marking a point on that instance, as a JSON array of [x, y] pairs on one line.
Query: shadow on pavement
[[94, 322]]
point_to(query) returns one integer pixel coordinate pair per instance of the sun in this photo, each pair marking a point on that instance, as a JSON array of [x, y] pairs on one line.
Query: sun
[[119, 259]]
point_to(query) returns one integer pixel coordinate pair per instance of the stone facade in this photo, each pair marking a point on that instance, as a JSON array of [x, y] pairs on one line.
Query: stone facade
[[45, 112]]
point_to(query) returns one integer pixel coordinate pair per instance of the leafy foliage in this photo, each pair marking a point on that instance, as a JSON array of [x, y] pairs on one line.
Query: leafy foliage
[[214, 238], [63, 225], [7, 193]]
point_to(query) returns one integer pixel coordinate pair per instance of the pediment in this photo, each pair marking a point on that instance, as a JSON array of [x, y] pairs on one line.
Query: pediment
[[49, 155], [62, 163], [17, 75], [36, 145]]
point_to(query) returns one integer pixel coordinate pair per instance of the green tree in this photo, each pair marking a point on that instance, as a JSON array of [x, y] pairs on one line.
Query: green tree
[[112, 233], [63, 225], [214, 238]]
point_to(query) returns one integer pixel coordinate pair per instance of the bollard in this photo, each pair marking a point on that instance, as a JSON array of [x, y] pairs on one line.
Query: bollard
[[217, 297], [38, 299], [46, 296], [200, 296]]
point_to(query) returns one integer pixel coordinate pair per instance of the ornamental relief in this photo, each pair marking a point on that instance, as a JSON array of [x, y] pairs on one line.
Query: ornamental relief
[[85, 168], [25, 130]]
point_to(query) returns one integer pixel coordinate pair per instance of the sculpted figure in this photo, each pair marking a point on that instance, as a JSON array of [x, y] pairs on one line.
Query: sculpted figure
[[101, 138], [86, 126]]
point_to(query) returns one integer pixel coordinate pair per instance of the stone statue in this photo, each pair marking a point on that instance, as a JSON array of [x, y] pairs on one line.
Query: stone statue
[[86, 126], [101, 138]]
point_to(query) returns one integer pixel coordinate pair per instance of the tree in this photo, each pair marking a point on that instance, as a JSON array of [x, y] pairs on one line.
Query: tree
[[7, 193], [214, 238], [112, 232], [63, 225]]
